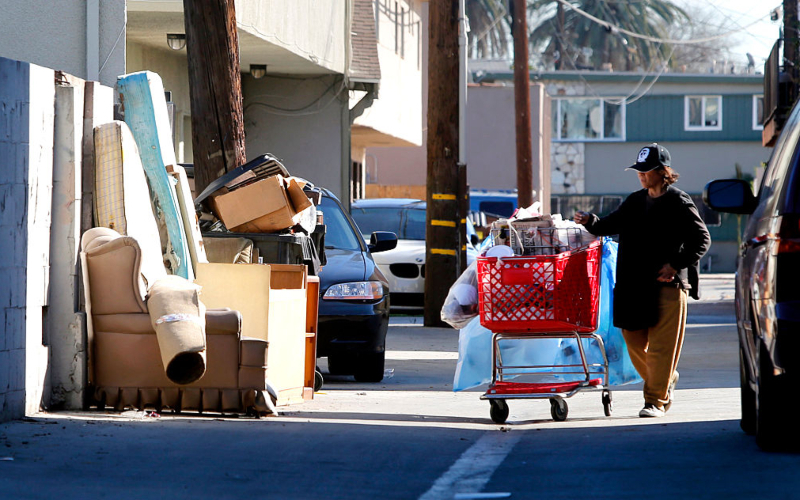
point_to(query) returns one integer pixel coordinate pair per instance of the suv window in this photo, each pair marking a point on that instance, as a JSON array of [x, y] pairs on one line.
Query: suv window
[[783, 158]]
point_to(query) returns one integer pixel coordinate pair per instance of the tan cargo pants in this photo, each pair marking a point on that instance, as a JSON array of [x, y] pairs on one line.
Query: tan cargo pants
[[655, 351]]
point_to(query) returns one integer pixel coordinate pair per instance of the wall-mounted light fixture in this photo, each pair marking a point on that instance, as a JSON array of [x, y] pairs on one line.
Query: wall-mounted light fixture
[[176, 41], [258, 70]]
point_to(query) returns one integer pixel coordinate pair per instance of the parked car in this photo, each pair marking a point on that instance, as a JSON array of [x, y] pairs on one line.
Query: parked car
[[354, 297], [404, 266], [767, 291]]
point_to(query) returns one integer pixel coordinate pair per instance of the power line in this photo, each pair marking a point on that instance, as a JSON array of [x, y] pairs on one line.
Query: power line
[[614, 27]]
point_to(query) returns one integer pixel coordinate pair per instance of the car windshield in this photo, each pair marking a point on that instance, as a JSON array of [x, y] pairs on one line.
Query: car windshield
[[501, 208], [338, 232], [406, 223]]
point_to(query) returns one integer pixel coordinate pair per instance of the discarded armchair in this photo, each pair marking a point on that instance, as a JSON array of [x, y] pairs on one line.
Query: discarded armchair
[[128, 367]]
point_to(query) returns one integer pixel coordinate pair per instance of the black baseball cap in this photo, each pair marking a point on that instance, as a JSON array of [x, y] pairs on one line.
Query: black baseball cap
[[650, 158]]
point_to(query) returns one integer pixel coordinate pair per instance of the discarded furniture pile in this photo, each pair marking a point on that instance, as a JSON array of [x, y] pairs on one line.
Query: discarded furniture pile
[[215, 313]]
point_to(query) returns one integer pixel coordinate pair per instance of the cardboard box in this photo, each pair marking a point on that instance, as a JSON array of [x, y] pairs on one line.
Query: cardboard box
[[273, 302], [265, 206]]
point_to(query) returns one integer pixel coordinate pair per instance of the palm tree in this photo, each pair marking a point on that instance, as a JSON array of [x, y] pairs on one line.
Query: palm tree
[[490, 28], [577, 42]]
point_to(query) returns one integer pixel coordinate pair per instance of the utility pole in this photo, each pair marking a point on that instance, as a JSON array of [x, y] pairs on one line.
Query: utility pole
[[522, 105], [443, 221], [215, 88], [791, 46]]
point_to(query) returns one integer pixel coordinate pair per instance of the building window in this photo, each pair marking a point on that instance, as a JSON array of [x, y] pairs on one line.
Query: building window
[[703, 112], [758, 112], [577, 119]]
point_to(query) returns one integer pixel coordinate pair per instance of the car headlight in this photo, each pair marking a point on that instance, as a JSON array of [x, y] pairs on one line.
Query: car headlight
[[359, 290]]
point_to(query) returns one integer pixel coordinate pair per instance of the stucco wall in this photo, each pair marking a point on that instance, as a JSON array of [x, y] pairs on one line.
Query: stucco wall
[[491, 136], [398, 111], [27, 94], [696, 162], [311, 29], [300, 122], [491, 143], [55, 35]]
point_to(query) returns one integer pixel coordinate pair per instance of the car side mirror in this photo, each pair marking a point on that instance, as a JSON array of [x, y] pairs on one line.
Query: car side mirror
[[381, 241], [473, 238], [730, 195]]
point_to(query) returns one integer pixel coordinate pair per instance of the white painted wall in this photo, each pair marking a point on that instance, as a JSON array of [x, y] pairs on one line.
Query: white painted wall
[[300, 122], [311, 29], [27, 94], [56, 35], [398, 110]]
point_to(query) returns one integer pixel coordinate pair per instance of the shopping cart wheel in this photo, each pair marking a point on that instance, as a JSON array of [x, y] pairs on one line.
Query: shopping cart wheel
[[498, 410], [558, 409], [607, 405]]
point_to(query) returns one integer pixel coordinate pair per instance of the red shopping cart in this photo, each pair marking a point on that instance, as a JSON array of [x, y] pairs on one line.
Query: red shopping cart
[[550, 295]]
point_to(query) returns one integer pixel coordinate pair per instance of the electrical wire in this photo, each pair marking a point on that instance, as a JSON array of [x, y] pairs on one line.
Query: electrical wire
[[122, 31], [627, 99], [633, 34], [304, 110]]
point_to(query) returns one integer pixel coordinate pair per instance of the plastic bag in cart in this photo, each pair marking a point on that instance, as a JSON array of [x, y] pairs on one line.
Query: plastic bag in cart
[[461, 303], [474, 365], [620, 366]]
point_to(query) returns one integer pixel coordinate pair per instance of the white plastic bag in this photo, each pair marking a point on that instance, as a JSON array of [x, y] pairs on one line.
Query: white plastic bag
[[461, 304]]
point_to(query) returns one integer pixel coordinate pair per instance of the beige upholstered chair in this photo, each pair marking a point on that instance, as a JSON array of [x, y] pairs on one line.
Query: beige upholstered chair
[[125, 367]]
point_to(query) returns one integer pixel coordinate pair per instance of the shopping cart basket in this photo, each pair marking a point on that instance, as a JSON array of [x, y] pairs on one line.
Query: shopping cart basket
[[537, 297]]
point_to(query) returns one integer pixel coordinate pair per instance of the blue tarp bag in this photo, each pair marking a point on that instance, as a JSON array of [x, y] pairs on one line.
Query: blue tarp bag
[[474, 365]]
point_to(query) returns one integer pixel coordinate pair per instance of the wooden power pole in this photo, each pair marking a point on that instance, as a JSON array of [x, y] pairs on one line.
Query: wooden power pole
[[215, 88], [791, 46], [522, 105], [443, 203]]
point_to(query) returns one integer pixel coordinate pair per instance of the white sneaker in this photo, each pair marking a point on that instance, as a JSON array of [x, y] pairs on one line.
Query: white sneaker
[[651, 411]]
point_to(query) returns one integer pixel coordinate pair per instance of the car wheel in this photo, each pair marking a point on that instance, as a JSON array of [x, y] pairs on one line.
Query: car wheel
[[369, 367], [774, 430], [748, 398], [340, 365]]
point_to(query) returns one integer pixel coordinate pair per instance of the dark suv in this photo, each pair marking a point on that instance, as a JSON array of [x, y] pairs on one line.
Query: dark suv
[[768, 290]]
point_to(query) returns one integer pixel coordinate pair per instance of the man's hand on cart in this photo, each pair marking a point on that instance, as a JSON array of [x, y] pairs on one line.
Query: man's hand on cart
[[581, 217]]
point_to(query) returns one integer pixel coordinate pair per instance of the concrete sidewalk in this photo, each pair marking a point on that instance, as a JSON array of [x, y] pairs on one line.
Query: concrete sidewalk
[[717, 292]]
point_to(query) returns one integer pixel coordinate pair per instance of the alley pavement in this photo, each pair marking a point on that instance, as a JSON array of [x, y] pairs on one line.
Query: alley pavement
[[412, 437]]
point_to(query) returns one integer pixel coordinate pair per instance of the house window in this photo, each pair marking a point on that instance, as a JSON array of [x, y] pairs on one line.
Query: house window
[[577, 119], [703, 112], [758, 112]]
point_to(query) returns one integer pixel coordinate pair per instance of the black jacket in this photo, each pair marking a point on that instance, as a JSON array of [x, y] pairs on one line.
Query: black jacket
[[652, 232]]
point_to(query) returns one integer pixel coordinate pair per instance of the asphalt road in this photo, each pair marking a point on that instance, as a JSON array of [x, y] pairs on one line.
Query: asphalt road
[[411, 437]]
